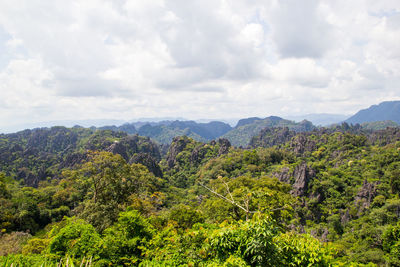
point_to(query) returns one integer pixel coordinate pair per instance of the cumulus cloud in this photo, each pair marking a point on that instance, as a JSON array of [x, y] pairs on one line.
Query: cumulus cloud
[[128, 59], [300, 29], [302, 71]]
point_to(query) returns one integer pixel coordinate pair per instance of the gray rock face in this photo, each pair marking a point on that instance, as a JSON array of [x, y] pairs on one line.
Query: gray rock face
[[118, 148], [31, 180], [301, 144], [302, 175], [284, 175], [345, 218], [177, 146], [73, 159], [147, 160], [384, 137], [130, 145], [224, 146], [198, 154], [269, 137], [365, 195]]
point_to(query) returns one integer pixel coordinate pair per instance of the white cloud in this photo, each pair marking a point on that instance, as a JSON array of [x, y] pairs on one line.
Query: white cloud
[[302, 71], [196, 59], [300, 29]]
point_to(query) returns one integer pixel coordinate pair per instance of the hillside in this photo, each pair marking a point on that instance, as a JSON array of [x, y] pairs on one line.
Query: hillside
[[326, 197], [319, 119], [385, 111], [386, 114], [164, 134], [32, 156], [246, 129], [379, 125], [164, 131]]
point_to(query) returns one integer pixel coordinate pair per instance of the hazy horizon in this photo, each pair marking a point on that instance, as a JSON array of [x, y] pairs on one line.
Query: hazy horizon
[[109, 122]]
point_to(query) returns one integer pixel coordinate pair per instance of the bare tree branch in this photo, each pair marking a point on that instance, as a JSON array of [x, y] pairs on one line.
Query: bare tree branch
[[232, 201], [227, 189], [246, 201]]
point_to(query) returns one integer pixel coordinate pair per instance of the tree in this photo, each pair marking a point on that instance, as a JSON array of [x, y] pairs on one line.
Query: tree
[[106, 181], [77, 238], [391, 245], [243, 196], [124, 242]]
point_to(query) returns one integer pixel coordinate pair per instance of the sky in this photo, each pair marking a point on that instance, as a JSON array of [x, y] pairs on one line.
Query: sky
[[122, 60]]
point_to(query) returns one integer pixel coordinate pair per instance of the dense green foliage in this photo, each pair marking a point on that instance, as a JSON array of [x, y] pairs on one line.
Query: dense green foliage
[[33, 156], [378, 125], [318, 198]]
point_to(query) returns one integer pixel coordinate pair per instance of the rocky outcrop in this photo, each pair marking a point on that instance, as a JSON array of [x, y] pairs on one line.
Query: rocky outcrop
[[55, 139], [138, 144], [177, 146], [73, 159], [34, 155], [224, 146], [147, 160], [324, 236], [198, 154], [302, 175], [384, 137], [118, 148], [130, 145], [366, 195], [269, 137], [345, 217], [301, 144], [28, 177], [283, 175], [318, 196]]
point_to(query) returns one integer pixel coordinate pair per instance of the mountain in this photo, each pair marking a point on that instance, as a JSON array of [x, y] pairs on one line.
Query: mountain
[[35, 155], [12, 128], [247, 128], [323, 119], [250, 120], [164, 134], [378, 125], [208, 131], [164, 131], [126, 127], [269, 137], [389, 110]]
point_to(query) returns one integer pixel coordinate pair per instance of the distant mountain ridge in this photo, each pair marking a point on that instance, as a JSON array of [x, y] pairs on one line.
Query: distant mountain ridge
[[250, 120], [247, 128], [385, 111], [385, 114], [164, 131], [319, 119]]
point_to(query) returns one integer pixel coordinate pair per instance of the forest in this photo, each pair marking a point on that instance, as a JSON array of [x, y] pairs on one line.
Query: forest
[[91, 197]]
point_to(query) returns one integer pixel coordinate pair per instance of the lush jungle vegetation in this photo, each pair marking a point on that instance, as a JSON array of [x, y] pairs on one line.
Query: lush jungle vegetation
[[327, 197]]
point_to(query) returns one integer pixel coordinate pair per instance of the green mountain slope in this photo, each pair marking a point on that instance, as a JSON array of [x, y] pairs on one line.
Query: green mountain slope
[[378, 125], [242, 134], [36, 155], [389, 110], [326, 197], [164, 131], [164, 134]]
